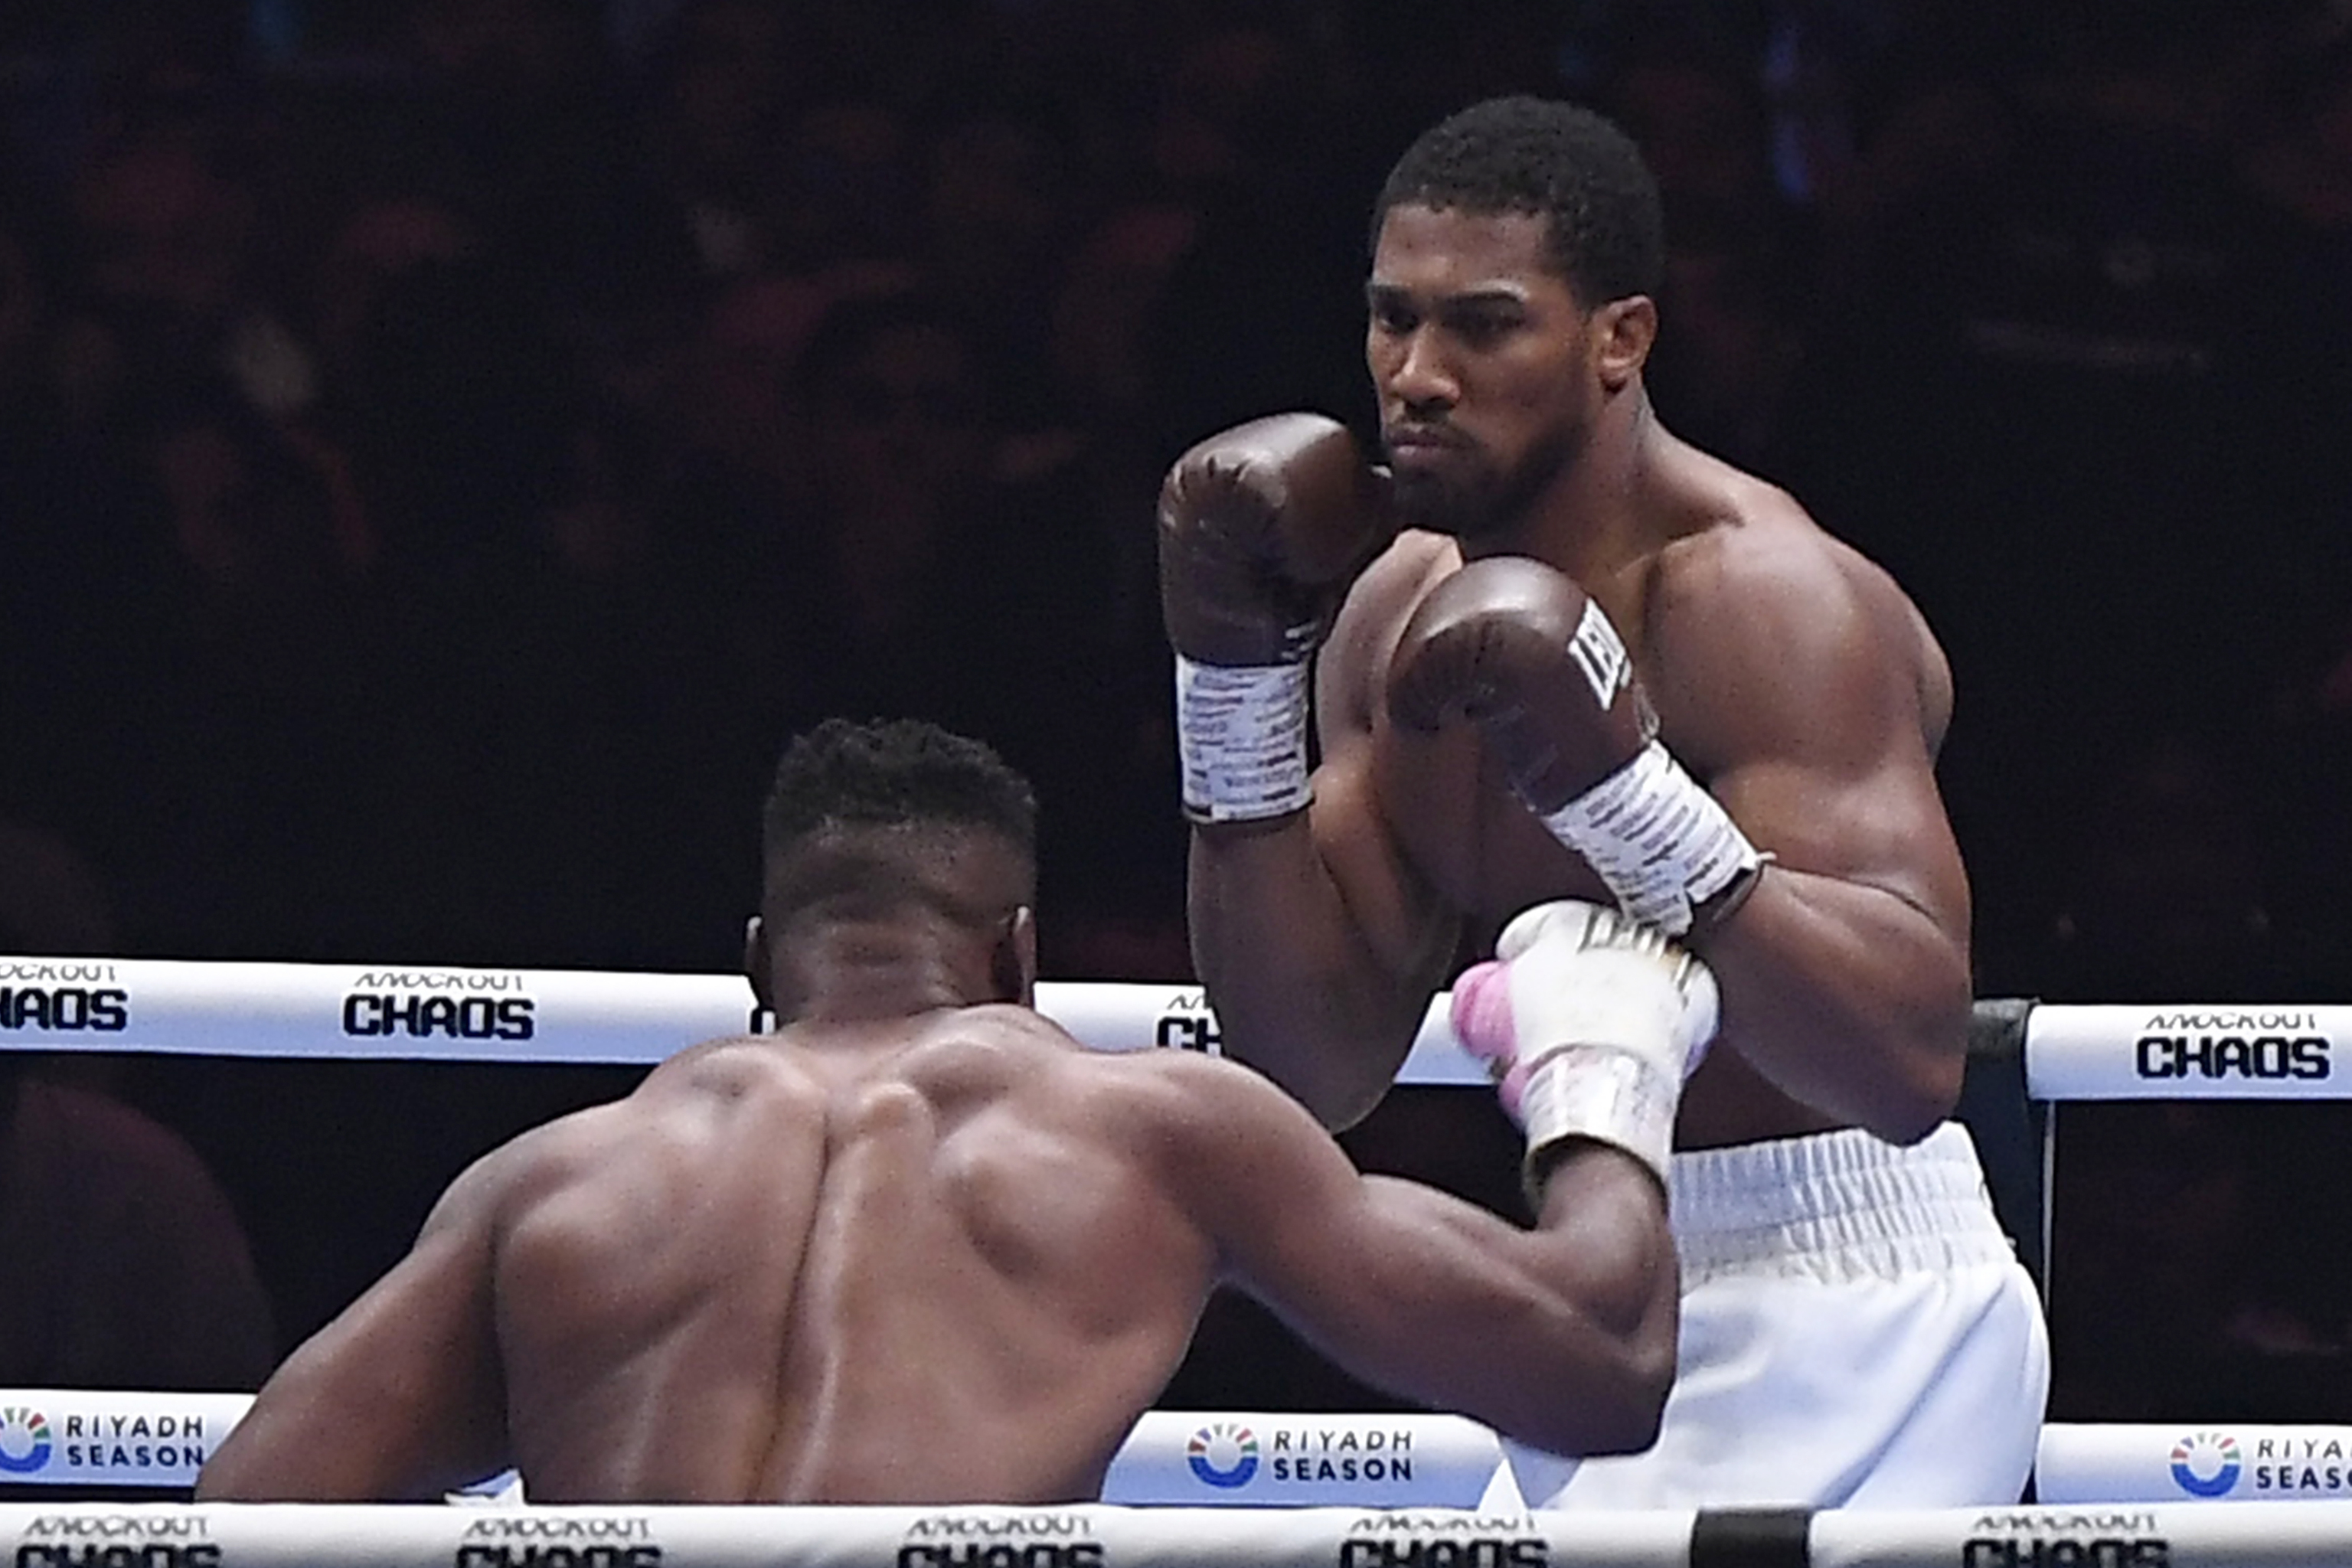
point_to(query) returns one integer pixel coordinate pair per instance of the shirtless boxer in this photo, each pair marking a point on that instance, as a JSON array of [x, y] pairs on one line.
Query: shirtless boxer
[[1556, 652], [918, 1246]]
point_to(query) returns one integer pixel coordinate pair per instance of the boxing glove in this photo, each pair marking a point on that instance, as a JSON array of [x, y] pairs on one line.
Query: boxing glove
[[1517, 647], [1261, 530], [1588, 1022]]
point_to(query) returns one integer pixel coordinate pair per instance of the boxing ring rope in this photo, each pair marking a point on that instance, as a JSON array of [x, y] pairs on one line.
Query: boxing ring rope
[[2112, 1497], [1093, 1535], [2068, 1051], [411, 1012], [66, 1438], [1232, 1458]]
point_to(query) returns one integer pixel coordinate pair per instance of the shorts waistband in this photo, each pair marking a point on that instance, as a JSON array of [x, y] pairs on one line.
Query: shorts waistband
[[1834, 1204]]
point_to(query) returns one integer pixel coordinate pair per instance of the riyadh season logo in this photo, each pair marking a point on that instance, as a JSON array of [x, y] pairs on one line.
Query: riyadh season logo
[[1227, 1441], [2206, 1464], [24, 1440]]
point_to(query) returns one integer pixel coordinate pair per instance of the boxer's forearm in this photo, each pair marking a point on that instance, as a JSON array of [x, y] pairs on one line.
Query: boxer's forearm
[[1847, 997], [1302, 992], [1562, 1337]]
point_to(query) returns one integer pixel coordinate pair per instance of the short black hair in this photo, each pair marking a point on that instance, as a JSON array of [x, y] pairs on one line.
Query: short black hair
[[894, 773], [1560, 162]]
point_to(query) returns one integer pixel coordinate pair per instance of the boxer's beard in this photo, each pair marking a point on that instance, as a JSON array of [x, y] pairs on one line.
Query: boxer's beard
[[1480, 501]]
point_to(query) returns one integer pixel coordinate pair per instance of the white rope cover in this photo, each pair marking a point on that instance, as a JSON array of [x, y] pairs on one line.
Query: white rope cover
[[283, 1535], [2091, 1535], [2099, 1051], [1204, 1459], [2198, 1050], [1192, 1459], [339, 1011], [78, 1437], [1264, 1458], [67, 1438], [288, 1535], [1381, 1491], [2218, 1462]]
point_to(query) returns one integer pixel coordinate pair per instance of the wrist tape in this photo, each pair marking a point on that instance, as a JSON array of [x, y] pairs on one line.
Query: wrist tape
[[1616, 1096], [1622, 1023], [1241, 740], [1662, 844], [1592, 1023]]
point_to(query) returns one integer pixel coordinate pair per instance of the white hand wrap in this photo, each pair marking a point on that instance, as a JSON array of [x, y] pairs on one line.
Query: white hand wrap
[[1241, 740], [1591, 1023], [1657, 838]]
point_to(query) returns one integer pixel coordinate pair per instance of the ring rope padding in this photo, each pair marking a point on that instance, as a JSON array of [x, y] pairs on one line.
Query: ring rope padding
[[113, 1438], [405, 1012], [1093, 1535]]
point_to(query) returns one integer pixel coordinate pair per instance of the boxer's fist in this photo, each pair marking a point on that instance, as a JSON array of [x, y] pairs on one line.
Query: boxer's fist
[[1261, 530], [1517, 648], [1589, 1022]]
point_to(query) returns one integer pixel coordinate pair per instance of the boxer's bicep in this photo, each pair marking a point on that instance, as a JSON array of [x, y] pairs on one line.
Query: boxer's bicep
[[1409, 933], [1407, 927], [1813, 713], [1543, 1333], [1810, 701], [398, 1397], [1319, 943]]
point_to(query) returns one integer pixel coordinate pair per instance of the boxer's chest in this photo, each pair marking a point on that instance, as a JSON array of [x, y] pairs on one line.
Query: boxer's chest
[[1464, 832]]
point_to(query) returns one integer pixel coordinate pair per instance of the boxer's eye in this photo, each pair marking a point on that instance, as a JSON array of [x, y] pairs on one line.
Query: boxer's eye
[[1482, 327]]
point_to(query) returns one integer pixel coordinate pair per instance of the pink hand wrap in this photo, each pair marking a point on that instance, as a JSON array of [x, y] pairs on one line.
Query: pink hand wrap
[[1589, 1024]]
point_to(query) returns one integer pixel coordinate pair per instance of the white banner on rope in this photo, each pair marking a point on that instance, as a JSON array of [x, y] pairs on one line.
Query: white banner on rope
[[2194, 1050], [1239, 1459], [336, 1011], [2209, 1462], [1224, 1458], [2086, 1535], [342, 1535], [339, 1011], [59, 1437], [350, 1535]]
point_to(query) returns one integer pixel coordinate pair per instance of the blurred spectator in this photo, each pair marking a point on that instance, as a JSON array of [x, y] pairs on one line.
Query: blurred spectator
[[925, 581], [1001, 209], [1735, 309], [1276, 160], [514, 108], [716, 88], [2163, 893], [2183, 1287], [135, 1273], [2043, 393]]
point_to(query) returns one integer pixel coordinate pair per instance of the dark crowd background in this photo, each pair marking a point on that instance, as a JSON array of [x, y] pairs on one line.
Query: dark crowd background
[[447, 447]]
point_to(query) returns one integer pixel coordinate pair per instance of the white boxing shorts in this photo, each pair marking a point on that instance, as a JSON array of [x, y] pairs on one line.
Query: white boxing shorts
[[1856, 1332]]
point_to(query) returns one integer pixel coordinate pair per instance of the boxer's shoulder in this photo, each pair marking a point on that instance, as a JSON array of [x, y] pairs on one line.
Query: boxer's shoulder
[[1770, 614], [1729, 535], [1397, 576], [1374, 613], [1758, 569], [1152, 1093]]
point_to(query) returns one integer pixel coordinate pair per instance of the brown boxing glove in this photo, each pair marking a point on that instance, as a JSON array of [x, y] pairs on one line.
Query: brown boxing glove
[[1517, 647], [1261, 530]]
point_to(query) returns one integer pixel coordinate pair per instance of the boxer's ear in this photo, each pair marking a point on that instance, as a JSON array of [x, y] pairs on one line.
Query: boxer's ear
[[1622, 332], [1014, 963], [757, 970]]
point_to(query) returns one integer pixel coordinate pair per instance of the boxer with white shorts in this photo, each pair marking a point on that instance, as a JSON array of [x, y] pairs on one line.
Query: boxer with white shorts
[[1551, 651], [1856, 1332]]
